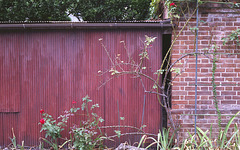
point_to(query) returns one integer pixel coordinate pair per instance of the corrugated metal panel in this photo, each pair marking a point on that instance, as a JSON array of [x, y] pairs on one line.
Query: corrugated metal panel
[[9, 77], [54, 67]]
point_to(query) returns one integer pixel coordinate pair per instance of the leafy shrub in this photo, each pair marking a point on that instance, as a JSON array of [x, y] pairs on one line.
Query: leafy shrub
[[107, 10], [83, 136]]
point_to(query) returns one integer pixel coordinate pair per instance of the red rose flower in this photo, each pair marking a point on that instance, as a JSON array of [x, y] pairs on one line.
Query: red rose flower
[[41, 111], [42, 121], [172, 4], [74, 102]]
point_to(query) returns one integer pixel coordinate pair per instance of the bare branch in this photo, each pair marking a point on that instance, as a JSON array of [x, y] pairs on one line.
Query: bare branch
[[156, 93]]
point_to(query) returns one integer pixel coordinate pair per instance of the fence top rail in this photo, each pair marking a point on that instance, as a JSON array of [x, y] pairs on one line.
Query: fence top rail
[[82, 25]]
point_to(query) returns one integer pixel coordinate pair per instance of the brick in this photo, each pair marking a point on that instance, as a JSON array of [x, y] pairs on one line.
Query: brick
[[190, 88], [229, 70], [229, 75], [217, 19], [237, 24], [228, 47], [176, 97], [204, 70], [219, 88], [180, 102], [175, 107], [182, 38], [189, 42], [204, 92], [206, 33], [211, 121], [205, 102], [228, 79], [203, 37], [229, 24], [219, 79], [229, 19], [189, 79], [236, 89], [229, 61], [189, 97], [228, 28], [204, 28], [204, 79], [205, 60], [179, 92], [220, 24], [228, 102], [228, 92], [204, 42], [189, 33], [204, 88], [228, 97], [175, 88], [237, 69], [201, 65], [204, 107]]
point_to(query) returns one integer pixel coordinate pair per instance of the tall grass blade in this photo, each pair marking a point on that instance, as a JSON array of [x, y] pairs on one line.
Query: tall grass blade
[[141, 141], [226, 129], [205, 136], [192, 138], [159, 137], [230, 139], [210, 132], [237, 137], [53, 145], [64, 143], [155, 142], [171, 139]]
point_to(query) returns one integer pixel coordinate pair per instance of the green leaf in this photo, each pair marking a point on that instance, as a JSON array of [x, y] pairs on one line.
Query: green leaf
[[194, 29], [113, 71], [160, 71], [101, 119], [83, 106], [94, 106], [149, 40], [154, 86], [118, 133], [176, 70], [202, 21], [94, 114], [86, 98]]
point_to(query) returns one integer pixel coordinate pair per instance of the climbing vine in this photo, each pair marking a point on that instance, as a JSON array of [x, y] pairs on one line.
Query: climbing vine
[[214, 86]]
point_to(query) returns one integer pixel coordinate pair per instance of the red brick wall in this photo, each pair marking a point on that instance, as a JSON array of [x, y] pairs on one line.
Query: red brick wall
[[218, 23]]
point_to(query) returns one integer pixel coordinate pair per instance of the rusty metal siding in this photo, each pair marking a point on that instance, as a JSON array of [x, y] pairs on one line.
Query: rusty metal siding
[[48, 69]]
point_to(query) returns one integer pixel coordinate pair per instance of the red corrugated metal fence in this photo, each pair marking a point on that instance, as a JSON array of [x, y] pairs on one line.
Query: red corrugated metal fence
[[48, 69]]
